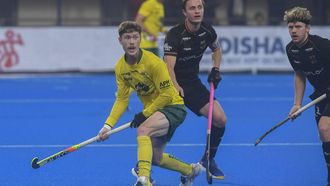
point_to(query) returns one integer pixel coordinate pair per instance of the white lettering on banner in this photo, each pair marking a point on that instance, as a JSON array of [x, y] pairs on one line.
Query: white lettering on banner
[[8, 55], [96, 49], [252, 45]]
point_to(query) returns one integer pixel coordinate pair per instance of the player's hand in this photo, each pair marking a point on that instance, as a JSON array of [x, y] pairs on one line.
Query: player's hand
[[138, 119], [214, 77], [103, 132], [180, 90], [293, 110]]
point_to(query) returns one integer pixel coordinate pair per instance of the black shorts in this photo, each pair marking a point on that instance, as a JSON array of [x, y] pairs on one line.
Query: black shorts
[[196, 96], [322, 109]]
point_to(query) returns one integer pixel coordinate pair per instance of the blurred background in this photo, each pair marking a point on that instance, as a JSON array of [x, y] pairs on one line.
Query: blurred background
[[112, 12], [81, 35]]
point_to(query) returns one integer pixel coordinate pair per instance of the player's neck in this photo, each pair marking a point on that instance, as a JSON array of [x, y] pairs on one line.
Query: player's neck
[[133, 59], [192, 27]]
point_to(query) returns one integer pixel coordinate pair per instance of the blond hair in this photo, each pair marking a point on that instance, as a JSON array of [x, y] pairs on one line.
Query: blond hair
[[297, 14]]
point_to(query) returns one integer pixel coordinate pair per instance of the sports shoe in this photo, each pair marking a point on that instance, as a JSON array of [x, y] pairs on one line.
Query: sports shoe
[[189, 180], [143, 181], [214, 170], [135, 172]]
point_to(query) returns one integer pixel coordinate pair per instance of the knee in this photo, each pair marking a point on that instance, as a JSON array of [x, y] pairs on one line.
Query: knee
[[324, 127], [156, 159], [143, 131], [220, 120]]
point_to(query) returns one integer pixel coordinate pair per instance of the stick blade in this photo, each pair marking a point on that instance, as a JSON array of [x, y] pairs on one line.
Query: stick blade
[[208, 176], [34, 163]]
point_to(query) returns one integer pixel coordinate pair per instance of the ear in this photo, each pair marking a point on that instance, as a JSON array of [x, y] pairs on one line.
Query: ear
[[119, 39], [184, 12]]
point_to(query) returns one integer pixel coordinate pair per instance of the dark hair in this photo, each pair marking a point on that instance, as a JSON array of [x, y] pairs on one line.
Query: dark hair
[[297, 14], [128, 27], [184, 2]]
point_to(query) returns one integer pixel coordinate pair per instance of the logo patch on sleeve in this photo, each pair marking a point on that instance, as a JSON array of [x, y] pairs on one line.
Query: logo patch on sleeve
[[165, 84]]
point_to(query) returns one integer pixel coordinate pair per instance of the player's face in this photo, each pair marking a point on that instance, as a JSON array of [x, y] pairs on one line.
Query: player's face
[[194, 11], [298, 32], [130, 43]]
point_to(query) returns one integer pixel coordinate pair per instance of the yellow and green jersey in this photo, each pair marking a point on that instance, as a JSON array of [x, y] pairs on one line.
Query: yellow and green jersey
[[153, 11], [150, 79]]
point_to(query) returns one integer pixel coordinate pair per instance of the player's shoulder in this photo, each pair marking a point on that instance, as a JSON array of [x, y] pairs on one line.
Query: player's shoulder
[[149, 56], [178, 28], [318, 39], [289, 46]]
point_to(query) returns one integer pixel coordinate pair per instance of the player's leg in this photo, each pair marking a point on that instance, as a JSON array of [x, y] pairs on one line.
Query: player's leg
[[217, 131], [322, 113], [174, 115], [156, 125], [196, 99]]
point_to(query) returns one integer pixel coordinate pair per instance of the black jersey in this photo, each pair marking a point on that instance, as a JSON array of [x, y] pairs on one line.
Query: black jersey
[[313, 60], [188, 48]]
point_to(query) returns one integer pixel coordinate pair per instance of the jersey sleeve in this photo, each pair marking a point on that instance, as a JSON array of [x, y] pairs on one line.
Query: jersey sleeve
[[214, 42], [121, 102], [288, 53], [163, 85], [171, 44]]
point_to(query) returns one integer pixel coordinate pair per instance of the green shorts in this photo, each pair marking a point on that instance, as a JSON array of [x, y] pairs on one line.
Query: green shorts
[[175, 114]]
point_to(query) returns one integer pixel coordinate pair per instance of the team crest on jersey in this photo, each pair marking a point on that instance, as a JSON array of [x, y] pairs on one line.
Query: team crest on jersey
[[141, 87], [203, 44]]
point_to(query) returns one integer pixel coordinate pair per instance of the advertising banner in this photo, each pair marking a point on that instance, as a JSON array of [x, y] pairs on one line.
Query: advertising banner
[[96, 49]]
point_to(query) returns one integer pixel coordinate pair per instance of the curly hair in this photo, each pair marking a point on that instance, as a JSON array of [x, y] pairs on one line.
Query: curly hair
[[297, 14]]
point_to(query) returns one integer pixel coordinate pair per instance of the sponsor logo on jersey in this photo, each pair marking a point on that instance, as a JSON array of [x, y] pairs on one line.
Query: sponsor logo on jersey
[[164, 84], [295, 51], [309, 49], [167, 47], [201, 34], [314, 73], [186, 38]]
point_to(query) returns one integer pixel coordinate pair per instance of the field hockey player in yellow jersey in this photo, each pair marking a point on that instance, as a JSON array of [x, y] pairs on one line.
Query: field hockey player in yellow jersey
[[163, 111], [150, 17]]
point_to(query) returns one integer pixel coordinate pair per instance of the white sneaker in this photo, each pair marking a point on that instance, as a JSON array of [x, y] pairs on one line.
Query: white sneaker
[[142, 181], [189, 180]]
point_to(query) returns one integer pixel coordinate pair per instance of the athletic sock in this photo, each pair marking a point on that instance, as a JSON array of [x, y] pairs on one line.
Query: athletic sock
[[216, 136], [144, 155], [326, 153], [170, 162]]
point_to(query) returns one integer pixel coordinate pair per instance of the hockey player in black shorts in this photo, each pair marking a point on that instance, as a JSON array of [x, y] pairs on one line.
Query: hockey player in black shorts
[[309, 55], [184, 46]]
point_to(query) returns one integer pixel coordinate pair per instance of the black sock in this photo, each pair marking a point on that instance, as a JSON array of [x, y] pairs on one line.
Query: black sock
[[326, 153], [216, 136]]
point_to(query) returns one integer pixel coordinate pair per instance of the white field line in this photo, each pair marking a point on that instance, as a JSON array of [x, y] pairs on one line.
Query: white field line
[[89, 100], [169, 145]]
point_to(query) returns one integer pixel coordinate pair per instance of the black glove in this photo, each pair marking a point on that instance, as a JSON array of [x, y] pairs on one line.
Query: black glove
[[328, 92], [138, 119], [214, 77]]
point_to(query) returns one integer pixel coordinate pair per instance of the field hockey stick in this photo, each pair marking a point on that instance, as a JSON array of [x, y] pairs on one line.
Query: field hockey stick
[[302, 109], [36, 164], [209, 127]]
